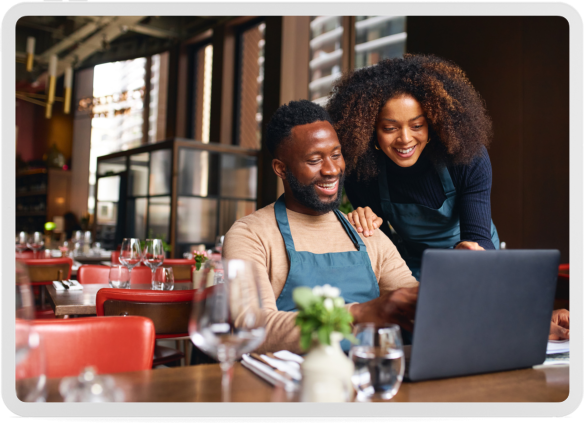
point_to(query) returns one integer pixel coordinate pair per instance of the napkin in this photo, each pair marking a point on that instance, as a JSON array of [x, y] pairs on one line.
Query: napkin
[[558, 347], [75, 286]]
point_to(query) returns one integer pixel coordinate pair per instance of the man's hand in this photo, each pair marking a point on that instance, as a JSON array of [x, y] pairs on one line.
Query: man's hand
[[398, 306], [468, 245], [560, 326], [364, 220]]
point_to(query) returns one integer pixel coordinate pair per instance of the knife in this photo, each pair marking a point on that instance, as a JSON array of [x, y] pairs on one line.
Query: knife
[[60, 277]]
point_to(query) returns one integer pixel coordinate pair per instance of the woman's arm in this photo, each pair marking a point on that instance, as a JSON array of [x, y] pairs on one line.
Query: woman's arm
[[474, 199]]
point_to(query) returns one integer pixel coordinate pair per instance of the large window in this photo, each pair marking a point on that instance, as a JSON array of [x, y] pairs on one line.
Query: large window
[[249, 88], [338, 44], [121, 116]]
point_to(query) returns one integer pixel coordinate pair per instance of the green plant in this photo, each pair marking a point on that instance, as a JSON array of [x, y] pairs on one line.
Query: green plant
[[200, 258], [165, 246], [321, 311]]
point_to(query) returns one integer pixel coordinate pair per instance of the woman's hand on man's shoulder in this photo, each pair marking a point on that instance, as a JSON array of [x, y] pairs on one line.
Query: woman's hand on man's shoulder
[[364, 220]]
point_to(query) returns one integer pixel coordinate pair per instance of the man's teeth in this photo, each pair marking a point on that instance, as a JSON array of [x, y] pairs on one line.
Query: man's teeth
[[328, 186], [409, 150]]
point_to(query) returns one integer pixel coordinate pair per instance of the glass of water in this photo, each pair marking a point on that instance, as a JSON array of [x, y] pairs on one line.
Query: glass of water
[[379, 361], [163, 279], [119, 276]]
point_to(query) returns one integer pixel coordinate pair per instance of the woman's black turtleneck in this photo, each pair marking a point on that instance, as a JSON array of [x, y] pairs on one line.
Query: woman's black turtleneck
[[420, 184]]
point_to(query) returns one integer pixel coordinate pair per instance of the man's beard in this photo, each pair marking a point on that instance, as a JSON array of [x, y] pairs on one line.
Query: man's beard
[[307, 196]]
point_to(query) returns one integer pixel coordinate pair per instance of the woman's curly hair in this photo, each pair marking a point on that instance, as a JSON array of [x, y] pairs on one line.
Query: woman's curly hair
[[457, 118]]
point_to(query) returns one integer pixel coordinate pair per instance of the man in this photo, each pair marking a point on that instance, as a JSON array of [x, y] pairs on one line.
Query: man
[[302, 239]]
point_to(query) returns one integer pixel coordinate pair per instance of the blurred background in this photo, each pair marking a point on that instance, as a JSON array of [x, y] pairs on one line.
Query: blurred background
[[143, 126]]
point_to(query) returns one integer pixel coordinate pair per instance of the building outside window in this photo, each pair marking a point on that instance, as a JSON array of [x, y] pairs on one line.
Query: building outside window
[[378, 38], [326, 54]]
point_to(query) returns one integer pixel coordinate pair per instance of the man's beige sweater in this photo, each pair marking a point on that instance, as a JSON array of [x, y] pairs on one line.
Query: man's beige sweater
[[257, 238]]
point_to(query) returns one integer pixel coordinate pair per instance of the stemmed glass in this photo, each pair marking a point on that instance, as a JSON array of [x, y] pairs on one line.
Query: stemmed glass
[[131, 254], [36, 243], [21, 241], [29, 355], [227, 319], [153, 254]]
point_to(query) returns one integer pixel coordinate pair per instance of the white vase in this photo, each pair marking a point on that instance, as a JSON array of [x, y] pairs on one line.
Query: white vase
[[327, 372]]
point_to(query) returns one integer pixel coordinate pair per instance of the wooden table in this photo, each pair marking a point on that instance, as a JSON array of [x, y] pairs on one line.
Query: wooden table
[[82, 302], [203, 384]]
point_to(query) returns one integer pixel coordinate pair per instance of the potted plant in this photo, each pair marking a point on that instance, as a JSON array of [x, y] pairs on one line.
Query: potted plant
[[324, 321]]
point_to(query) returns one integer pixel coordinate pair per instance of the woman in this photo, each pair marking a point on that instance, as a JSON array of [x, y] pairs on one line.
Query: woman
[[414, 133]]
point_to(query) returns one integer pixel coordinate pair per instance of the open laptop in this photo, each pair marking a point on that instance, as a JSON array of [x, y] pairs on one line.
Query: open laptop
[[482, 312]]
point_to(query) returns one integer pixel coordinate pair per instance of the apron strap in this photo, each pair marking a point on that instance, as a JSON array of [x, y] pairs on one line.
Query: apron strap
[[282, 219], [446, 180], [357, 241]]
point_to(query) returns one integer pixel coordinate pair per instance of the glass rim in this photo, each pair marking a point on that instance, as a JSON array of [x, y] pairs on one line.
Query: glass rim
[[376, 326]]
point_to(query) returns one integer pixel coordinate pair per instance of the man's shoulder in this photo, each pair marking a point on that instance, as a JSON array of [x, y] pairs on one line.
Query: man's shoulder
[[255, 222]]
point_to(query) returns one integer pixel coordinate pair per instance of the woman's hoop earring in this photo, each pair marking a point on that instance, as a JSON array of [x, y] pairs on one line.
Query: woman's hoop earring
[[377, 148], [428, 140]]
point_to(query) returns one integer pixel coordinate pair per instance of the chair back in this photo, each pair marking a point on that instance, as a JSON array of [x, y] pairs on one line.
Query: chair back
[[45, 271], [181, 268], [110, 344], [115, 257], [99, 274], [169, 310]]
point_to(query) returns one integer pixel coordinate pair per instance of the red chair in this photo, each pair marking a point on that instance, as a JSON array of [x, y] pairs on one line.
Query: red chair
[[43, 272], [25, 255], [181, 268], [562, 299], [110, 344], [115, 257], [98, 274], [169, 310]]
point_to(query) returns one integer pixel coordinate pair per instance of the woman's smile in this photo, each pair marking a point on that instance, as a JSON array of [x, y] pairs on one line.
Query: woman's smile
[[402, 130]]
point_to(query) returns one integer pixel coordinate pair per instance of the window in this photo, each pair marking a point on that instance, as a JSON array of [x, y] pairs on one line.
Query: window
[[326, 54], [378, 38], [249, 88], [199, 102], [119, 112]]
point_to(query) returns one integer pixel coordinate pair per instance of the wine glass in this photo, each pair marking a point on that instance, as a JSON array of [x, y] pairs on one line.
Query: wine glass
[[131, 253], [29, 355], [153, 255], [21, 241], [163, 279], [227, 319], [219, 244], [379, 361], [36, 243]]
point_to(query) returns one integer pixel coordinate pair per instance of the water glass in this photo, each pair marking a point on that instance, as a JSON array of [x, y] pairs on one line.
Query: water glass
[[219, 244], [379, 361], [163, 279], [31, 380], [119, 276]]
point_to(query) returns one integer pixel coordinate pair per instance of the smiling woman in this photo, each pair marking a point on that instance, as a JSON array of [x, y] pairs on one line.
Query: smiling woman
[[413, 133]]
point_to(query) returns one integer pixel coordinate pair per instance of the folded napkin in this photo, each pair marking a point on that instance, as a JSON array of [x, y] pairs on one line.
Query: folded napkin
[[280, 368], [558, 347], [73, 286], [268, 373]]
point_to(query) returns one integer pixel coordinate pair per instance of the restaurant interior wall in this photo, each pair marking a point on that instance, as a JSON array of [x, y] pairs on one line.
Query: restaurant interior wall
[[520, 67]]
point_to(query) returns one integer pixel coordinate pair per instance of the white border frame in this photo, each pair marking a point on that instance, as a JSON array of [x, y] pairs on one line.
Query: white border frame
[[279, 410]]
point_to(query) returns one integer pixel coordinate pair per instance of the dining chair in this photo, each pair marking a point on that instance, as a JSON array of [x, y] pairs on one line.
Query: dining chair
[[109, 344], [43, 272], [169, 310], [115, 259], [99, 274], [181, 268]]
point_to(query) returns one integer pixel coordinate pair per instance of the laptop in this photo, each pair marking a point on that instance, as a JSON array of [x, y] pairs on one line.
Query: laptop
[[482, 312]]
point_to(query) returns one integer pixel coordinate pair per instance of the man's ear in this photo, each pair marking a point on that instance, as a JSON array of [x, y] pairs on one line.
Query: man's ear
[[279, 168]]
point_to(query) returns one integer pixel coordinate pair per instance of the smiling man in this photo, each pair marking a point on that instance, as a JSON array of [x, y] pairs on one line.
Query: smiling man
[[303, 240]]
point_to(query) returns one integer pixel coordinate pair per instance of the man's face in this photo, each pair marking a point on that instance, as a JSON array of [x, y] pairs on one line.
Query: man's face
[[314, 166]]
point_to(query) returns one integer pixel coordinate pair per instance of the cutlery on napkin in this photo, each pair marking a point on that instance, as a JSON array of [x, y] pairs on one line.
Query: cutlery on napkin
[[69, 285]]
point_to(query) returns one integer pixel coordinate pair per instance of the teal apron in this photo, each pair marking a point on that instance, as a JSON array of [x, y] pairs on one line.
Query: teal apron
[[418, 227], [349, 271]]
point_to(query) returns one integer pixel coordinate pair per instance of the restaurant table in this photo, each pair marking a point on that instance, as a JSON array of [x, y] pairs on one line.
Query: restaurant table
[[82, 302], [202, 383]]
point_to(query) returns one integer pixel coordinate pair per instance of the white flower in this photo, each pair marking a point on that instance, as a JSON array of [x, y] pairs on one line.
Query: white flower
[[317, 291], [328, 304], [330, 291], [339, 302]]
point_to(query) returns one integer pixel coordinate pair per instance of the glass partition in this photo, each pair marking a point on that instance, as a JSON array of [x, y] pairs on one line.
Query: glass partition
[[138, 182]]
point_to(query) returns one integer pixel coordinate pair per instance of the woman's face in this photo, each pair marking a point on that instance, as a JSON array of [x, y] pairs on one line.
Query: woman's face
[[402, 130]]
